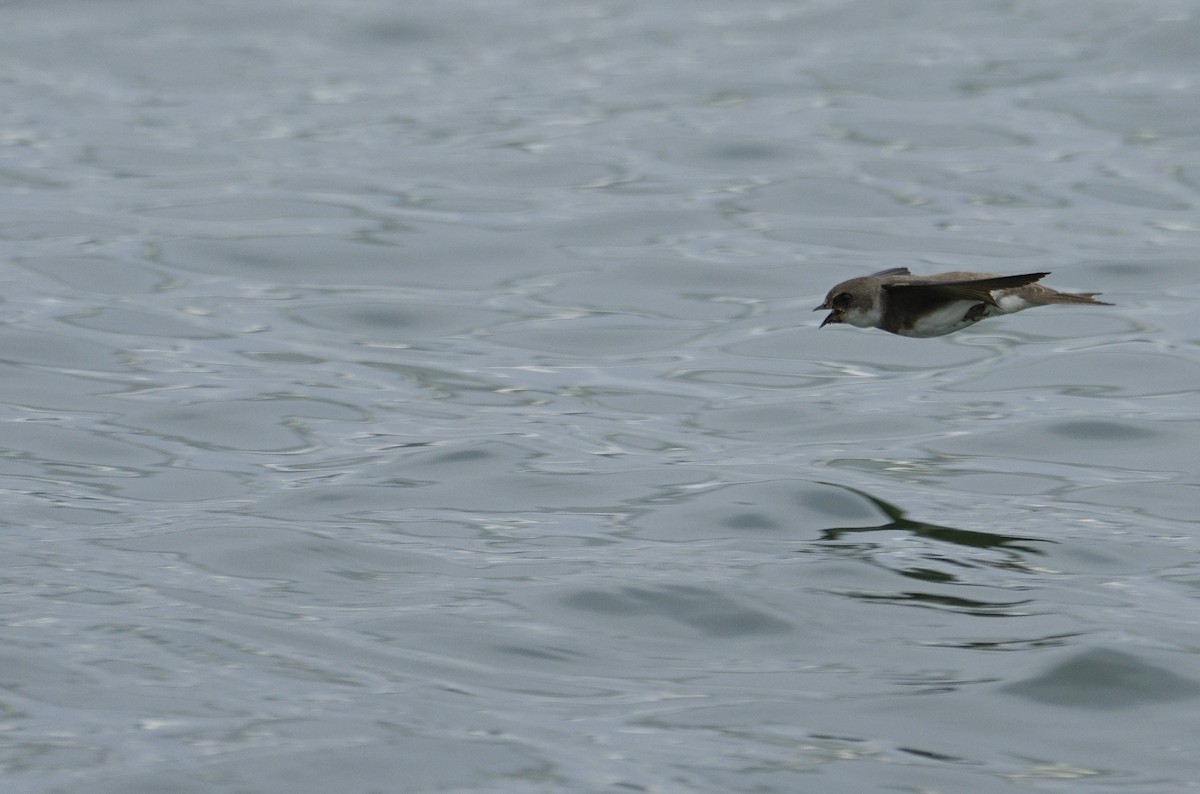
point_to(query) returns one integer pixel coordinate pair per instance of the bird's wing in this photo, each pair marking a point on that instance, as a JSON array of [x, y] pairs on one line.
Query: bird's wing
[[978, 289]]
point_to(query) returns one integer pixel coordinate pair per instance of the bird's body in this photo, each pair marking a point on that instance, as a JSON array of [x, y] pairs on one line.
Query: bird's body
[[901, 303]]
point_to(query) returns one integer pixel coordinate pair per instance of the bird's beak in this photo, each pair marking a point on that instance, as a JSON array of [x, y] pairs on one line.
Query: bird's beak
[[824, 305], [832, 318]]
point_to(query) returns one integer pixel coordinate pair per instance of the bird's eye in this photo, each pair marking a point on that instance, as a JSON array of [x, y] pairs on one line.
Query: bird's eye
[[841, 300]]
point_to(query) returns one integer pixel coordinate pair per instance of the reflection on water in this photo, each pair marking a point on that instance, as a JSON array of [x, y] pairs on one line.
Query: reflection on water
[[933, 564], [960, 537]]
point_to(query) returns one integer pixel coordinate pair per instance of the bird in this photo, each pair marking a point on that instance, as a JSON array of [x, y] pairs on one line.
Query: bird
[[898, 302]]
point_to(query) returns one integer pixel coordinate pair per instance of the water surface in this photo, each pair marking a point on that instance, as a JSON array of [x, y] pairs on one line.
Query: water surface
[[429, 399]]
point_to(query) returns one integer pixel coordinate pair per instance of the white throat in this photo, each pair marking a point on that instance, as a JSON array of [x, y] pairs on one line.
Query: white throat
[[870, 317]]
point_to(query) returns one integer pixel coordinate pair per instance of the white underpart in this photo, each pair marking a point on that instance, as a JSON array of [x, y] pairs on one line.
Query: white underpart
[[951, 317], [1010, 302], [945, 320]]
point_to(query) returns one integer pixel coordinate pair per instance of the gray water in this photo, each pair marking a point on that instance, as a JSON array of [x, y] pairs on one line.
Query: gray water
[[406, 397]]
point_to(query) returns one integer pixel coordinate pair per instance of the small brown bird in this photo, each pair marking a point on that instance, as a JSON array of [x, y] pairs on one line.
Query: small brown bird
[[908, 305]]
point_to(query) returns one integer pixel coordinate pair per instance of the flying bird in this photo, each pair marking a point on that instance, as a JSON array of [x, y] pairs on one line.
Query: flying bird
[[901, 303]]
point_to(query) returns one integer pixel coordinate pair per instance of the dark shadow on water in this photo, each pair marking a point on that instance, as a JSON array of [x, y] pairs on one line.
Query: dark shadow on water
[[938, 568], [969, 606], [959, 537]]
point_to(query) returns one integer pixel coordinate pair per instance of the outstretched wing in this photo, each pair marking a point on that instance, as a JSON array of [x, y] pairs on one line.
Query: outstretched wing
[[979, 289]]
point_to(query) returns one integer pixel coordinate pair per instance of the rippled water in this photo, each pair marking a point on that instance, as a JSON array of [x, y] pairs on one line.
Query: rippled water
[[427, 397]]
